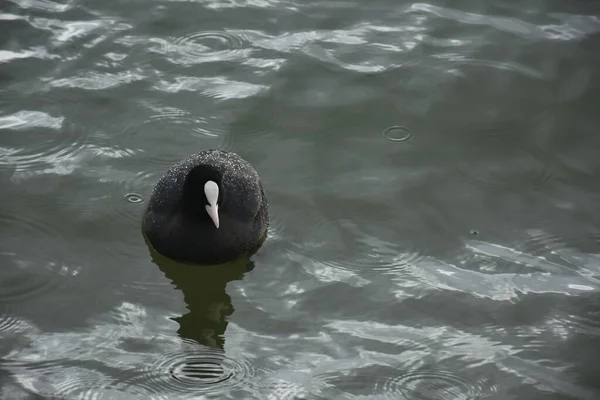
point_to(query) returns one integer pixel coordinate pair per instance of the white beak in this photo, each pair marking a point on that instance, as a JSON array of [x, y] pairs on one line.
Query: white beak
[[211, 190], [213, 212]]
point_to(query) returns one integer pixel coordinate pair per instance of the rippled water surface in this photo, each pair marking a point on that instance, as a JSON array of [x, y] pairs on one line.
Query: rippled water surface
[[432, 173]]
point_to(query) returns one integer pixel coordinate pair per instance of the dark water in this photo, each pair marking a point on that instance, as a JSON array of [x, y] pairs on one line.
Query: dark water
[[432, 172]]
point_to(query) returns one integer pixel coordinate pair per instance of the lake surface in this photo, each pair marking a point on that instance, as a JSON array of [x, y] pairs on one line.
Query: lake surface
[[432, 172]]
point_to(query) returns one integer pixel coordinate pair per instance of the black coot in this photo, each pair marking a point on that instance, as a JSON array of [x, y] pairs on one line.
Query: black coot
[[209, 208]]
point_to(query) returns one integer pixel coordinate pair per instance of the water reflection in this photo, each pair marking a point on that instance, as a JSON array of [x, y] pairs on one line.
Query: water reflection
[[205, 294]]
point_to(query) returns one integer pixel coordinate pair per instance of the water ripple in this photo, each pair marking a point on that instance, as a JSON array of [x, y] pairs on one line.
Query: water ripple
[[36, 100], [144, 139], [218, 87], [44, 5], [538, 374], [117, 357], [421, 384], [49, 141], [113, 219], [264, 123], [397, 134], [34, 52], [280, 389], [485, 79], [10, 323], [359, 239], [363, 47], [65, 379], [207, 46], [515, 274], [31, 275], [144, 50], [516, 257], [93, 80], [225, 4], [514, 26], [433, 384], [34, 279], [351, 254], [134, 198], [191, 370], [503, 65], [562, 249], [508, 163], [541, 241], [30, 119], [80, 384]]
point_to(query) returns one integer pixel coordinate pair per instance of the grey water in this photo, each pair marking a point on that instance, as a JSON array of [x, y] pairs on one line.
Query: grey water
[[432, 173]]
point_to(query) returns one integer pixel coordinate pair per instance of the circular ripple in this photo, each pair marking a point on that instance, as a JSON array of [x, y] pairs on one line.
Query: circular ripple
[[198, 371], [503, 163], [134, 198], [182, 373], [111, 211], [40, 142], [163, 139], [207, 46], [433, 385], [397, 134], [374, 262]]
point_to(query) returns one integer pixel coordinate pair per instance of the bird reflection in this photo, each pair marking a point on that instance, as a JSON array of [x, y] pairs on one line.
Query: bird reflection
[[204, 292]]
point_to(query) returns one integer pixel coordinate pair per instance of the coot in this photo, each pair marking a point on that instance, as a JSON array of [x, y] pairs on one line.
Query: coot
[[209, 208]]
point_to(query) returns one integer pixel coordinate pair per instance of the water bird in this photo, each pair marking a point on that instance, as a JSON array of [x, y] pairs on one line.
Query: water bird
[[209, 208]]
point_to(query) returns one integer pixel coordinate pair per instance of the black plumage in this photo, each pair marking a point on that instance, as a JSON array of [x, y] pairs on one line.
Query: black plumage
[[177, 224]]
